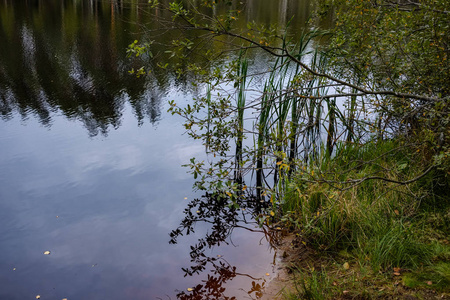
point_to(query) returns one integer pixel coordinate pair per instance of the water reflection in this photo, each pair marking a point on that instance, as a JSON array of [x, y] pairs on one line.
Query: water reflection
[[104, 205], [214, 286], [69, 57], [223, 217]]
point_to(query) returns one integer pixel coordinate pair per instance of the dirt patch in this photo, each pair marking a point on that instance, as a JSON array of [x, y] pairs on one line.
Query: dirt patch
[[288, 253]]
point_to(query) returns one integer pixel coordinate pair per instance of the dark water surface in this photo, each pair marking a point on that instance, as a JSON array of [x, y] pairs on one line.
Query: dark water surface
[[90, 162]]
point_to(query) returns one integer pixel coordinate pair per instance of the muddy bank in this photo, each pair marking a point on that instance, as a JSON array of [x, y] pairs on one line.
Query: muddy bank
[[288, 252]]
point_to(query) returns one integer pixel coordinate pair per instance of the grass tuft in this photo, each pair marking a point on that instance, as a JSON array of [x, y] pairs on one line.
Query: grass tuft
[[395, 236]]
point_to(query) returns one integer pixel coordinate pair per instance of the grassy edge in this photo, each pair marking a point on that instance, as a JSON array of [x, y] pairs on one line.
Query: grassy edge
[[377, 240]]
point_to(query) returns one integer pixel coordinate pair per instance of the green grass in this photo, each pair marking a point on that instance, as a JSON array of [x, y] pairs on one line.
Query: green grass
[[395, 236]]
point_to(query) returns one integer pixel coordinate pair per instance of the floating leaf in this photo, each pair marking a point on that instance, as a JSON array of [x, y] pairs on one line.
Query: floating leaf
[[47, 252]]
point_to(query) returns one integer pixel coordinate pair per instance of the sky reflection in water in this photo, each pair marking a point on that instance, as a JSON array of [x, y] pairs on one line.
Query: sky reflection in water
[[104, 207]]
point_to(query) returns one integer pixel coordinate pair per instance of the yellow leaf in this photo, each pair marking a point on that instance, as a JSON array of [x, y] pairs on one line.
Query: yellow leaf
[[267, 274], [228, 193], [47, 252], [190, 289], [244, 187], [38, 297], [346, 266], [272, 213], [279, 163]]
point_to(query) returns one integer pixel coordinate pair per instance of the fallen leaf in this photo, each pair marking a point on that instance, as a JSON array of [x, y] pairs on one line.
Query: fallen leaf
[[345, 292], [396, 212], [335, 283], [272, 213], [346, 266], [429, 282], [397, 273], [47, 252], [267, 274], [397, 269]]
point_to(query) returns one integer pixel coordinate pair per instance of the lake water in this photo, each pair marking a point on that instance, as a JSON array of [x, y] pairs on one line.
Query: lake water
[[90, 162]]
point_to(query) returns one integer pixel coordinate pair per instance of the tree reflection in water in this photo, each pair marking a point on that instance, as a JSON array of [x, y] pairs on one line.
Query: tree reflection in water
[[223, 216]]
